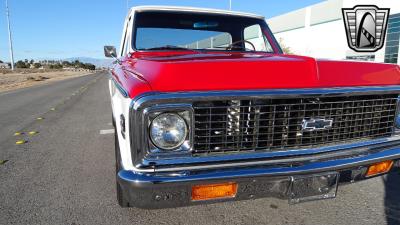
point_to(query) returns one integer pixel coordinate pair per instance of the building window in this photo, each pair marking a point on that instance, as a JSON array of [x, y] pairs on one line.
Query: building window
[[392, 39], [361, 58]]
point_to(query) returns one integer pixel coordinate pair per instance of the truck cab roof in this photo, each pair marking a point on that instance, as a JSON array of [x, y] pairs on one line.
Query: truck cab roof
[[192, 9]]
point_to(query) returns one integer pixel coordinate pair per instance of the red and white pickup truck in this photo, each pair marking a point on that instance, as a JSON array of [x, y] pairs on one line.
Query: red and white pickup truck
[[207, 108]]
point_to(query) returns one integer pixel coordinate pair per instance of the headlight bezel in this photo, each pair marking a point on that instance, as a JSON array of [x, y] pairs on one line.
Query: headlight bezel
[[182, 139], [185, 111]]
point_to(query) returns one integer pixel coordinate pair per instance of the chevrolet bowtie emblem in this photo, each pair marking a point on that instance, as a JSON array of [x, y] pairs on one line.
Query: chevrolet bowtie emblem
[[316, 124], [365, 27]]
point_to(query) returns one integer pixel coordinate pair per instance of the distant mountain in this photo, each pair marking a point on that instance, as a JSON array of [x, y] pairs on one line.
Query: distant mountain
[[94, 61]]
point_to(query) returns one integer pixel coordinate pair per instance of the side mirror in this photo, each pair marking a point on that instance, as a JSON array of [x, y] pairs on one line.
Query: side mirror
[[110, 52]]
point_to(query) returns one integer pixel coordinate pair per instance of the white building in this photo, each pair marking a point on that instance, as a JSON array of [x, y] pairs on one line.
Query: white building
[[318, 31], [4, 66]]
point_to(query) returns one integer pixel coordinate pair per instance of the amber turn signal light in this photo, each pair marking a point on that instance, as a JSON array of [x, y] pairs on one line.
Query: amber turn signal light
[[214, 191], [379, 168]]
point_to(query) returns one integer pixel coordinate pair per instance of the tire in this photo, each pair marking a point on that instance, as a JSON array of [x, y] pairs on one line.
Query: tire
[[113, 120], [121, 198]]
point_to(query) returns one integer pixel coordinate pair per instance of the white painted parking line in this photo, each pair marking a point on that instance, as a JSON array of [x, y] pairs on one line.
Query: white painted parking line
[[110, 131]]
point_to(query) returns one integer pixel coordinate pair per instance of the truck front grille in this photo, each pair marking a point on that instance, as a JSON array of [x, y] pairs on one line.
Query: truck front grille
[[276, 124]]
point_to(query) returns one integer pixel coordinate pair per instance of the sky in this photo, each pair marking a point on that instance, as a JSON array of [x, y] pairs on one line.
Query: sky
[[59, 29]]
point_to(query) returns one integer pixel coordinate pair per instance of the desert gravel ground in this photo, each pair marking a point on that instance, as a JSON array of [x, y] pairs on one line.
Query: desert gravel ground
[[12, 81], [65, 173]]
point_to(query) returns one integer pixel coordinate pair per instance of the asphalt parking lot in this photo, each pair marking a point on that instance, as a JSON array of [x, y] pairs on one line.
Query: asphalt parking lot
[[63, 172]]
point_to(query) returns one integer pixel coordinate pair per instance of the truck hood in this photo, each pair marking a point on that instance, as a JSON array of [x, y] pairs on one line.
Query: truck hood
[[239, 71]]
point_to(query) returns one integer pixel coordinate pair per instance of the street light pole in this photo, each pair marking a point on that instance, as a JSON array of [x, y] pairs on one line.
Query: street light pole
[[230, 4], [127, 5], [9, 36]]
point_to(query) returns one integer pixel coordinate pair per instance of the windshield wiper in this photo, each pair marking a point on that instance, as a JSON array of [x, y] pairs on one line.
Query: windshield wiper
[[169, 47]]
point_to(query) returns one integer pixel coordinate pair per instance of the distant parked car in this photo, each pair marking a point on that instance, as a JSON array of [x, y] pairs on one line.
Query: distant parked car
[[207, 108]]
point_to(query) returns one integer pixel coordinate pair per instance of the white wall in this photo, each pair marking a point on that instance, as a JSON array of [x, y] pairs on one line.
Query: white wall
[[326, 39]]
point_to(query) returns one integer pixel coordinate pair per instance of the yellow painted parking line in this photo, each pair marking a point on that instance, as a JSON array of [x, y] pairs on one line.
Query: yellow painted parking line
[[18, 133], [53, 109], [39, 118], [20, 142], [33, 132], [2, 162]]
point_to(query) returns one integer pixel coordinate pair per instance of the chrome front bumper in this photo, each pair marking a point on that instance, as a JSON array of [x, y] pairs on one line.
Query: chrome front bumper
[[173, 189]]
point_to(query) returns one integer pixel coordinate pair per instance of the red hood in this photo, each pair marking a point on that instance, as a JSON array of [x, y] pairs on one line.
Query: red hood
[[238, 71]]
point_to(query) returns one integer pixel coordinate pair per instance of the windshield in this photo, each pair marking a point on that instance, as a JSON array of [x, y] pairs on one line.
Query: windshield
[[183, 31]]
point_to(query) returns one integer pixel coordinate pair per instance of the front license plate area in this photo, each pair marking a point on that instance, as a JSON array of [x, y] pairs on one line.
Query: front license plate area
[[313, 187]]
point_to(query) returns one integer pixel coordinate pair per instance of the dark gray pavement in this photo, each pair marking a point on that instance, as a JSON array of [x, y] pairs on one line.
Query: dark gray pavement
[[65, 173], [19, 107]]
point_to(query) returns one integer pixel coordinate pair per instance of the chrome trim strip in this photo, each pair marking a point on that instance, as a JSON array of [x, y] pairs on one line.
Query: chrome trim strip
[[119, 87], [140, 103], [134, 126], [270, 162], [240, 157], [177, 97]]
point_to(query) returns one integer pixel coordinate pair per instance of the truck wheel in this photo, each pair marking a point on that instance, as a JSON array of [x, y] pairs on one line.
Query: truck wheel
[[120, 195]]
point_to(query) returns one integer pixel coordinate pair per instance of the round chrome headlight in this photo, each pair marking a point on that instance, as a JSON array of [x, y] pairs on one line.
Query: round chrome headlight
[[168, 131]]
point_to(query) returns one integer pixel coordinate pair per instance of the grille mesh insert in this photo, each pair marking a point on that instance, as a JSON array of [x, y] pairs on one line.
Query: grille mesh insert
[[276, 124]]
